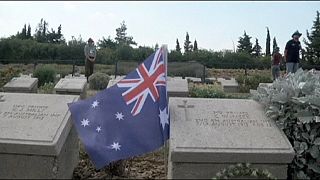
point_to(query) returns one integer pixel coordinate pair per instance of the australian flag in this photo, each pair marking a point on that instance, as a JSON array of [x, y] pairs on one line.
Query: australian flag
[[128, 119]]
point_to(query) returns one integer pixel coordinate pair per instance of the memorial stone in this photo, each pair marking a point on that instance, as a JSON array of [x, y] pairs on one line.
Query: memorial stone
[[37, 137], [207, 135], [24, 84]]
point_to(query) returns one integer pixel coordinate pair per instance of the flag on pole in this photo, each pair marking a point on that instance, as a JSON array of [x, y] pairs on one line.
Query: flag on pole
[[128, 119]]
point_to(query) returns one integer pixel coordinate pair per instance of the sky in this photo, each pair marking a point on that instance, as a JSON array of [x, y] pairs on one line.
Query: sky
[[215, 25]]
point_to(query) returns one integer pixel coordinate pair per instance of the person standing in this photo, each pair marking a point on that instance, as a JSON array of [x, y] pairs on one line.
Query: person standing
[[90, 52], [275, 67], [291, 53]]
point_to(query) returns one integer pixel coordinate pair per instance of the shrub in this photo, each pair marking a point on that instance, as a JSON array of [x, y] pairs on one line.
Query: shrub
[[47, 88], [98, 81], [7, 74], [294, 103], [251, 82], [243, 170], [207, 91], [45, 74]]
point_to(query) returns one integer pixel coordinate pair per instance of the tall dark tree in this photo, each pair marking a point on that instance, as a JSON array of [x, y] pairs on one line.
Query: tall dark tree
[[244, 44], [122, 37], [24, 32], [178, 48], [187, 46], [268, 43], [195, 45], [156, 47], [312, 42], [29, 32], [41, 31], [256, 50], [274, 45]]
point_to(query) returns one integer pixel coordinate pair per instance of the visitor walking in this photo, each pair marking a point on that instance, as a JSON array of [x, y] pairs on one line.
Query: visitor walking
[[275, 67], [291, 53], [90, 52]]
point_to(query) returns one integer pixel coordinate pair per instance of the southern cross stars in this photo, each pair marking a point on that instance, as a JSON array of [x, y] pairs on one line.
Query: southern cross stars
[[95, 104], [115, 146], [85, 122], [98, 129], [119, 116], [164, 117]]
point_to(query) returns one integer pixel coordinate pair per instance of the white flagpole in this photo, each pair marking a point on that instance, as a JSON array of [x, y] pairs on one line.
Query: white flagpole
[[165, 50]]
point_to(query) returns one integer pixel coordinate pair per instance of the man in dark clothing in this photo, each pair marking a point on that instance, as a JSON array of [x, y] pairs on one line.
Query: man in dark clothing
[[291, 53], [276, 59], [90, 52]]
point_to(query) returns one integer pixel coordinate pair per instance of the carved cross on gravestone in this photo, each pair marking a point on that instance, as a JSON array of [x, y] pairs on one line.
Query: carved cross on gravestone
[[185, 106]]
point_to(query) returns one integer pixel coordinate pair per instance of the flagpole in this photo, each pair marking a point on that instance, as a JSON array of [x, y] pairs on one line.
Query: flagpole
[[165, 49]]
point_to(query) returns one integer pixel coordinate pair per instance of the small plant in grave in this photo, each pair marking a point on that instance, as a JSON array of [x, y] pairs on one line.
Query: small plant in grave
[[47, 88], [243, 170], [98, 81], [294, 103], [45, 74]]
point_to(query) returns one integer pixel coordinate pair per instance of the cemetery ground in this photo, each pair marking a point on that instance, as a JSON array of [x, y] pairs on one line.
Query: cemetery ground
[[151, 165]]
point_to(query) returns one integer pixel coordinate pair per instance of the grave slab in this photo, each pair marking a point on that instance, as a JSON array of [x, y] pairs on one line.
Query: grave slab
[[207, 135], [37, 137], [22, 85], [176, 87], [229, 86], [72, 86]]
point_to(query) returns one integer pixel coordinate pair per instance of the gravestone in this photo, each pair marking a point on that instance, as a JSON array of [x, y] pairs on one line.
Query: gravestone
[[229, 86], [22, 84], [207, 135], [265, 84], [194, 79], [114, 81], [176, 87], [37, 138], [78, 76], [72, 86]]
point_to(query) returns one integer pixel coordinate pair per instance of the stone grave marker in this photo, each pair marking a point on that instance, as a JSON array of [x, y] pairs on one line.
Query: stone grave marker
[[176, 87], [24, 84], [207, 135], [73, 86], [194, 79], [37, 137], [229, 86]]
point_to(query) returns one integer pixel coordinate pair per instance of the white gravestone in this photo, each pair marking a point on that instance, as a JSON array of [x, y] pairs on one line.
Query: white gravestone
[[22, 84], [72, 86], [37, 137], [207, 135]]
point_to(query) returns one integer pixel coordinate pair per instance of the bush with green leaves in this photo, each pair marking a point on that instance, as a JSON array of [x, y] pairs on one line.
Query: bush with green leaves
[[294, 103], [251, 82], [243, 170], [45, 74], [98, 81], [207, 91], [7, 74], [47, 88]]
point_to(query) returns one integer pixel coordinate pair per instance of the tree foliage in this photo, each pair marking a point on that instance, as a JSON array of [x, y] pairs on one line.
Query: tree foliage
[[274, 45], [313, 42], [121, 36], [256, 50], [268, 43], [195, 45], [187, 44], [244, 44]]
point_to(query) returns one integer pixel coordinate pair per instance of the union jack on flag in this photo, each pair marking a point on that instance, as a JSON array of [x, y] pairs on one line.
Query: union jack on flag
[[144, 82]]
